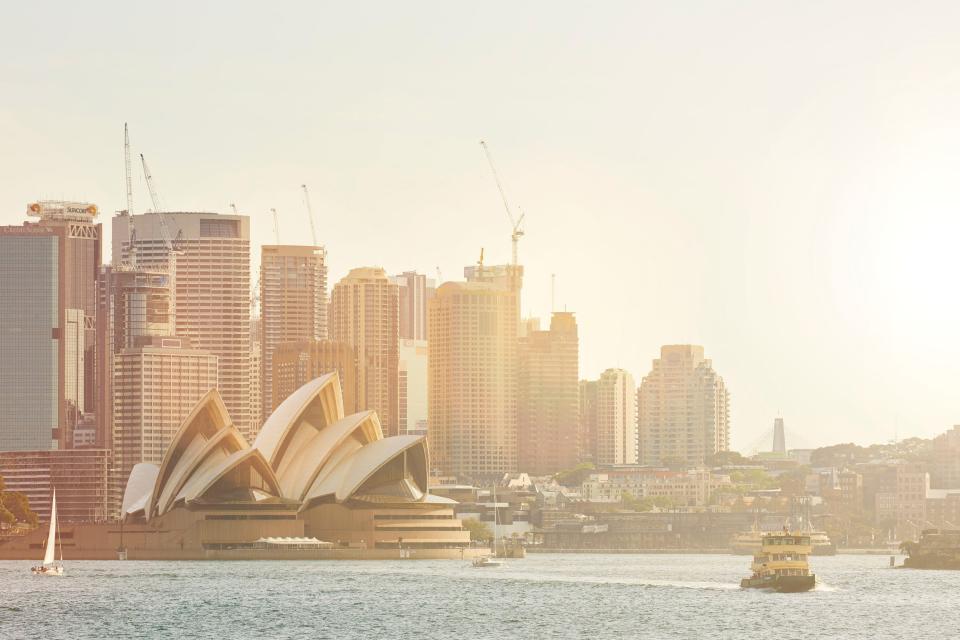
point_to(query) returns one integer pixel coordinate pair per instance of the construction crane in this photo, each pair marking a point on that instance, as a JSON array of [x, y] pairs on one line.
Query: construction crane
[[276, 225], [313, 231], [132, 235], [515, 231], [234, 207], [154, 198], [439, 276]]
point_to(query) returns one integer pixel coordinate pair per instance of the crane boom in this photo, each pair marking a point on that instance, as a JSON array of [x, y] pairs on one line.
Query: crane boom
[[496, 177], [276, 225], [154, 198], [313, 231]]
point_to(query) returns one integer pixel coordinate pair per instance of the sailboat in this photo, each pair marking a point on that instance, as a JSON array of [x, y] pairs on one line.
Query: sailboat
[[491, 561], [51, 566]]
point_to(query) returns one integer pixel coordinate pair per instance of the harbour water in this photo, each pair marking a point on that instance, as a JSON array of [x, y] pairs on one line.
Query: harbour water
[[542, 596]]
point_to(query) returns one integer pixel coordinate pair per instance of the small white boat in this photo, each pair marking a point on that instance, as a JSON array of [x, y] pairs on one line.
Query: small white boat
[[51, 566], [487, 561]]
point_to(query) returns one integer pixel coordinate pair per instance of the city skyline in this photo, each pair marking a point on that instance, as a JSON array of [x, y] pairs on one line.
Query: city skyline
[[798, 228]]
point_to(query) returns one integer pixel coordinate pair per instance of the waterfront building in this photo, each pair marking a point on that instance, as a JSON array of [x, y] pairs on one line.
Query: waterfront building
[[912, 487], [210, 254], [472, 380], [691, 488], [414, 290], [48, 274], [683, 409], [412, 381], [297, 363], [548, 398], [945, 463], [79, 476], [293, 303], [364, 313]]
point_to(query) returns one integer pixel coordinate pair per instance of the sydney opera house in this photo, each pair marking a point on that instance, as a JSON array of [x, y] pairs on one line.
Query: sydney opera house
[[329, 484]]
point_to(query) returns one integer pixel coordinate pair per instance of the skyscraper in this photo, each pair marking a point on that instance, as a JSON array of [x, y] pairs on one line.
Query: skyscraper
[[588, 420], [472, 379], [293, 303], [414, 291], [615, 418], [212, 288], [48, 274], [364, 313], [683, 409], [548, 400]]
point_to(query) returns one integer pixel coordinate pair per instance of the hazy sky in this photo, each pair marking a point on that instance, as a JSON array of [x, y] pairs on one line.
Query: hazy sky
[[777, 181]]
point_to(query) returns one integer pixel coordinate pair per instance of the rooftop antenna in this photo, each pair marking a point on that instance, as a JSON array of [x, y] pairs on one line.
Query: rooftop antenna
[[234, 207], [553, 286], [313, 231], [276, 225]]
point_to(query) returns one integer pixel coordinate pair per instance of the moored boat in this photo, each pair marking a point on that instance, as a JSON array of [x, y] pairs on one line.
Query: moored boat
[[781, 564], [937, 549]]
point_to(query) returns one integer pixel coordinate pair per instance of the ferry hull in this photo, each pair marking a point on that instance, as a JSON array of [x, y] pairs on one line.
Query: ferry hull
[[781, 584]]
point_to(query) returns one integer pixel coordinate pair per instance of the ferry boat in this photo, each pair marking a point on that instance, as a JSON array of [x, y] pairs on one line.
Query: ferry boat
[[781, 564]]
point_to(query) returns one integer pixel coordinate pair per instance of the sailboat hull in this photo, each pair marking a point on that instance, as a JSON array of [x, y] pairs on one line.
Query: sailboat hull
[[47, 571]]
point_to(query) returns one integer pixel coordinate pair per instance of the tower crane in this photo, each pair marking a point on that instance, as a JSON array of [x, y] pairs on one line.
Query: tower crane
[[276, 225], [313, 231], [516, 232]]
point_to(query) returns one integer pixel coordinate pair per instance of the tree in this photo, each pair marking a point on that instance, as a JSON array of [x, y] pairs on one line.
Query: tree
[[19, 505], [727, 459], [479, 531], [575, 477]]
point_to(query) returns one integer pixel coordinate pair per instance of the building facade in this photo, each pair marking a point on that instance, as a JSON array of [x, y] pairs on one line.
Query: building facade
[[615, 419], [364, 313], [211, 280], [297, 363], [78, 475], [48, 275], [548, 400], [293, 304], [414, 291], [683, 409], [472, 379], [155, 383], [413, 387]]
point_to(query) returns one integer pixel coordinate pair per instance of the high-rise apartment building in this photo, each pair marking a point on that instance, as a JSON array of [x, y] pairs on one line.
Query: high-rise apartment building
[[615, 418], [78, 475], [156, 384], [297, 363], [588, 420], [548, 399], [364, 313], [256, 372], [293, 303], [683, 409], [211, 280], [412, 383], [415, 290], [48, 274], [472, 379]]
